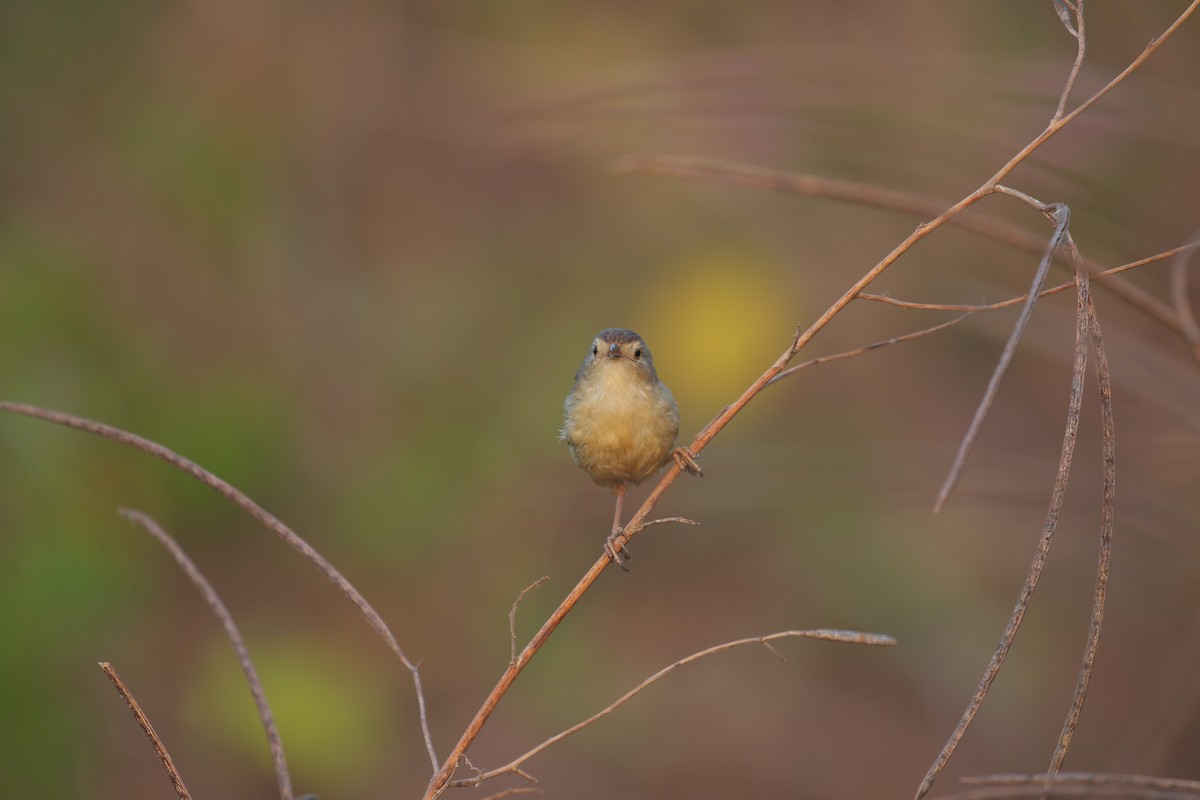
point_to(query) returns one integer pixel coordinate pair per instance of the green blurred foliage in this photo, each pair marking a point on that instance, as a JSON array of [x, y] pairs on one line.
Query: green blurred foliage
[[349, 256], [337, 731]]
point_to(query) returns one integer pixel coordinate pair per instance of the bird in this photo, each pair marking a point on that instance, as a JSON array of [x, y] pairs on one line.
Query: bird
[[620, 421]]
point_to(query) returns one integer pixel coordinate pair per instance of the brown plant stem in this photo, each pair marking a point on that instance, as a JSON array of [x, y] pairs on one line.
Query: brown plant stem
[[858, 351], [1013, 301], [269, 521], [725, 172], [441, 777], [853, 637], [1042, 550], [1062, 218], [274, 741], [1108, 494], [144, 721], [512, 616], [1072, 19]]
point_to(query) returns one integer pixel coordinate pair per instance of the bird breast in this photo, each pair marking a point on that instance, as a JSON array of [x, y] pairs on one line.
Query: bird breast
[[619, 426]]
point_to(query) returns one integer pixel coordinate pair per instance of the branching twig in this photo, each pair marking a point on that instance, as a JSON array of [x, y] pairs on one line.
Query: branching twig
[[812, 362], [242, 501], [724, 172], [1043, 547], [1013, 301], [144, 721], [441, 778], [855, 637], [512, 616], [1072, 19], [235, 638], [1062, 217], [967, 309]]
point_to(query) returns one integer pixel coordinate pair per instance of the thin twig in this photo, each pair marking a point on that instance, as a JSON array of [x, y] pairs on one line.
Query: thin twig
[[1108, 432], [514, 790], [730, 173], [1062, 218], [854, 637], [1043, 546], [235, 638], [1013, 301], [662, 520], [812, 362], [442, 776], [1064, 9], [1074, 27], [512, 616], [144, 722], [242, 501]]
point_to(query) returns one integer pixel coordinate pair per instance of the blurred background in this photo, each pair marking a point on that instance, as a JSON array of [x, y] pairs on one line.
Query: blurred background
[[348, 257]]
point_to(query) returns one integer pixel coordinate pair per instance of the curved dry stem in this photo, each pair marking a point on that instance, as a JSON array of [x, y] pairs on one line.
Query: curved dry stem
[[907, 337], [1062, 218], [144, 721], [1059, 123], [853, 637], [1072, 20], [1108, 494], [1043, 547], [282, 777], [1013, 301], [242, 501], [512, 617], [729, 173], [442, 776], [664, 520]]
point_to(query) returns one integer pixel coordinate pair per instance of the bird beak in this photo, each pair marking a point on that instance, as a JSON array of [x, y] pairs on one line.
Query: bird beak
[[614, 351]]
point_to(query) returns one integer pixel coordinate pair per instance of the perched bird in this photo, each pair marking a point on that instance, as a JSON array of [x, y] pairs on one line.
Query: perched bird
[[621, 420]]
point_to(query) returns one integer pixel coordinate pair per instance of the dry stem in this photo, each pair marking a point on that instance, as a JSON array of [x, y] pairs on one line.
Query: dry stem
[[854, 637], [1072, 20], [1043, 546], [242, 501], [1104, 379], [283, 778], [812, 362], [512, 616], [1062, 217], [144, 722], [1012, 301], [512, 791], [693, 168], [442, 776]]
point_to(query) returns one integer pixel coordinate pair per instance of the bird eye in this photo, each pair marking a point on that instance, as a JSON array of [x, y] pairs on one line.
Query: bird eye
[[637, 353], [595, 350]]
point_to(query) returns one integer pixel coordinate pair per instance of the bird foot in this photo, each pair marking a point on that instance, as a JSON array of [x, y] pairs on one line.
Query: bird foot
[[619, 555], [685, 457]]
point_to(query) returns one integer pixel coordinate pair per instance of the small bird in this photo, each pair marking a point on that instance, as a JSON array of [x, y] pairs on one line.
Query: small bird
[[620, 420]]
